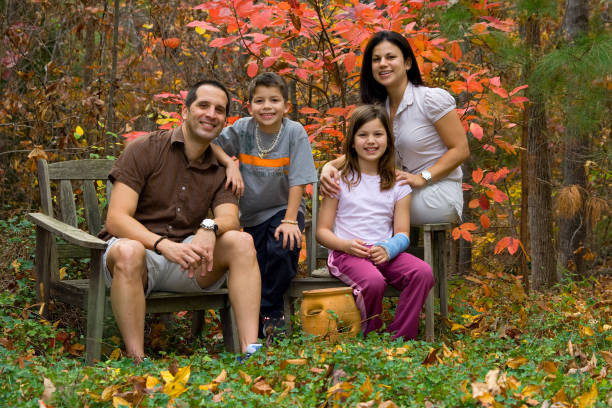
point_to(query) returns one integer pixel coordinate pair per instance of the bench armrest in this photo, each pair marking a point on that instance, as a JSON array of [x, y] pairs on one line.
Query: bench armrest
[[69, 233]]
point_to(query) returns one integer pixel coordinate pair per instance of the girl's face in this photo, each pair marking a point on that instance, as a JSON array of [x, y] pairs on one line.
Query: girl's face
[[370, 141], [388, 65]]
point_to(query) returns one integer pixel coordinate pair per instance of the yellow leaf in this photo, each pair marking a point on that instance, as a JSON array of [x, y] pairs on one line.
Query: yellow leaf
[[588, 399], [212, 387], [221, 377], [166, 376], [457, 326], [549, 367], [120, 402], [108, 392], [62, 273], [517, 362], [530, 390], [174, 389], [182, 374], [294, 361], [262, 388], [115, 354], [16, 265], [147, 26], [151, 382], [586, 331], [366, 389], [245, 377]]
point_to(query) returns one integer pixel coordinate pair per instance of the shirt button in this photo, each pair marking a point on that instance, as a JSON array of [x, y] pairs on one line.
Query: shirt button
[[183, 188], [169, 227], [178, 209]]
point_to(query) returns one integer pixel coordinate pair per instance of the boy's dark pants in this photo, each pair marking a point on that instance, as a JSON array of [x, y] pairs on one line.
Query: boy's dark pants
[[278, 266]]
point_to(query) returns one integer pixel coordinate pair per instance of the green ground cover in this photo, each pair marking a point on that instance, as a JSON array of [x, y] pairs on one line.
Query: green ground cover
[[499, 348]]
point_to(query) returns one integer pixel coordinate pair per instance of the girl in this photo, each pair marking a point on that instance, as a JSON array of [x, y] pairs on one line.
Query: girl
[[367, 225]]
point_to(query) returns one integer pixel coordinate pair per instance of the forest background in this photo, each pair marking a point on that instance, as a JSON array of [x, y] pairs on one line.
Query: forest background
[[80, 78]]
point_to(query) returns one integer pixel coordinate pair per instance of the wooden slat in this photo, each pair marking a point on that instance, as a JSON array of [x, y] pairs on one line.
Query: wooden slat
[[92, 210], [67, 207], [69, 233], [64, 251], [43, 264], [44, 187], [312, 239], [429, 302], [88, 169]]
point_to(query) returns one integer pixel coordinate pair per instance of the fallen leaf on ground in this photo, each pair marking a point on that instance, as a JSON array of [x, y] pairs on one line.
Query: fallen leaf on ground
[[262, 388], [48, 390], [294, 361], [587, 399], [517, 362]]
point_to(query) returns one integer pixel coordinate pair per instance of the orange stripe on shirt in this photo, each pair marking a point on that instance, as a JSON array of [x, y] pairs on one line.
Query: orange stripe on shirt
[[256, 161]]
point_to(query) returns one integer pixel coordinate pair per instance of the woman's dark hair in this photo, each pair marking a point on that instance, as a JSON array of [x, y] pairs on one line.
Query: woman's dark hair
[[372, 91], [350, 171]]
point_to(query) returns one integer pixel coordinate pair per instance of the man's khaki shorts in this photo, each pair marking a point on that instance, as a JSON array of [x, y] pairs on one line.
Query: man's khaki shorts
[[164, 275]]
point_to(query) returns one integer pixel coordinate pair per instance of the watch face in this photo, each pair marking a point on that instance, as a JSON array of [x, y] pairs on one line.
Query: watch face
[[208, 224]]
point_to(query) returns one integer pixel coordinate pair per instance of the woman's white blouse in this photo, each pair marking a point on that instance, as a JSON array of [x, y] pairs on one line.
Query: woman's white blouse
[[417, 143]]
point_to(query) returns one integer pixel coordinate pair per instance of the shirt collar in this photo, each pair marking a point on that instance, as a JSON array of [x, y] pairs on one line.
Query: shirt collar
[[206, 160], [407, 99]]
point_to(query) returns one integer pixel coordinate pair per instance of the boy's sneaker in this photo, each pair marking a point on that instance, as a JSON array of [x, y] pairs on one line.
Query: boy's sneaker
[[273, 327], [250, 350]]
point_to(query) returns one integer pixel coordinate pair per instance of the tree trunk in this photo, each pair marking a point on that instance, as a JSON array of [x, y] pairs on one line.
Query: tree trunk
[[572, 230], [110, 119], [543, 267]]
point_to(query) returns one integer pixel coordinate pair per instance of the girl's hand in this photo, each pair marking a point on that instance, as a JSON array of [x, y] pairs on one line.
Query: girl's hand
[[291, 233], [414, 180], [330, 177], [378, 255], [357, 247], [234, 179]]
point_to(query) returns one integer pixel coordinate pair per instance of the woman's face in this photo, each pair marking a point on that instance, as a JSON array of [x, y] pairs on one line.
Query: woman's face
[[388, 65]]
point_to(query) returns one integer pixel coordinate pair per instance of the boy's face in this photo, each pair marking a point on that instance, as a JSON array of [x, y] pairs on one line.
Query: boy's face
[[268, 108]]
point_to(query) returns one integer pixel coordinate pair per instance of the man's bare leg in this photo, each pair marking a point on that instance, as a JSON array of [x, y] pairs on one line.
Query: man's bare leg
[[126, 262], [235, 250]]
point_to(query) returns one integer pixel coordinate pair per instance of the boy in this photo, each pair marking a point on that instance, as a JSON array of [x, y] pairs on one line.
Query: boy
[[276, 164]]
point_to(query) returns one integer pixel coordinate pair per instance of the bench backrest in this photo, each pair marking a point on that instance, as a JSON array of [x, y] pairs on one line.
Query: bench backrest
[[68, 176]]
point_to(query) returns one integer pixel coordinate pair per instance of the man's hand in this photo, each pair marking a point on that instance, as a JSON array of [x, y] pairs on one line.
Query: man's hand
[[378, 255], [234, 179], [291, 233], [205, 240], [330, 177], [357, 247], [187, 255], [414, 180]]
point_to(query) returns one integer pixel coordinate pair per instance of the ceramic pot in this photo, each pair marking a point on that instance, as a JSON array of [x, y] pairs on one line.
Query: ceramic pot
[[330, 313]]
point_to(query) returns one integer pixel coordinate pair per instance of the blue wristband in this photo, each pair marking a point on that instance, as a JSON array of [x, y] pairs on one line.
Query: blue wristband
[[394, 245]]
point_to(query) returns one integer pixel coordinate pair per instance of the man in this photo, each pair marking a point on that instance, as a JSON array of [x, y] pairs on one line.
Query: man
[[158, 231]]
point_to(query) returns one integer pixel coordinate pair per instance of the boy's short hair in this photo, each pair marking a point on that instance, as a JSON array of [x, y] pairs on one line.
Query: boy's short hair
[[271, 79]]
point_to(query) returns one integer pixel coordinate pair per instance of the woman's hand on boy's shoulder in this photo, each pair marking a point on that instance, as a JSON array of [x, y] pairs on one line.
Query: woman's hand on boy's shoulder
[[357, 247], [330, 177]]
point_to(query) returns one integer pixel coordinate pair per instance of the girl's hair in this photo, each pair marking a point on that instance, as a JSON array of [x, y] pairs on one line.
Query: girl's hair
[[372, 91], [350, 171]]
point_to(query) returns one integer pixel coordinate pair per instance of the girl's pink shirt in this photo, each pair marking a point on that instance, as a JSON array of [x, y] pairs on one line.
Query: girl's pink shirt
[[364, 212]]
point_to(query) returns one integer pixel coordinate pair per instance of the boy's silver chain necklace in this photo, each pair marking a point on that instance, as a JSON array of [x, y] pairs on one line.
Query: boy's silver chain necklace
[[260, 150]]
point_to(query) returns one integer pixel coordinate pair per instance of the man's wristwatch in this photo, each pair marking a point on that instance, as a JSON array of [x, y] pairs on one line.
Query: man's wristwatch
[[210, 225], [427, 176]]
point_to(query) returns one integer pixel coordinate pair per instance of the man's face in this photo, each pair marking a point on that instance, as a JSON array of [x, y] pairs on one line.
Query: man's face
[[205, 118]]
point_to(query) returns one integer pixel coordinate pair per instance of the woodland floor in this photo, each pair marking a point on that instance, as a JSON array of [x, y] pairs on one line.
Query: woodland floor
[[499, 348]]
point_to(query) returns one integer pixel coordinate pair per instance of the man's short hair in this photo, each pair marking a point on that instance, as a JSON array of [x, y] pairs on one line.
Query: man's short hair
[[193, 89], [271, 79]]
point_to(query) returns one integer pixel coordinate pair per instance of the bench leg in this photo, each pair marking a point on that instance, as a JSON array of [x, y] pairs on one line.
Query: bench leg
[[441, 276], [429, 303], [230, 332], [43, 268], [197, 323], [95, 309]]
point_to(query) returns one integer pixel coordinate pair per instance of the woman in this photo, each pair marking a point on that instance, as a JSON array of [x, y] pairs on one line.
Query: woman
[[430, 142]]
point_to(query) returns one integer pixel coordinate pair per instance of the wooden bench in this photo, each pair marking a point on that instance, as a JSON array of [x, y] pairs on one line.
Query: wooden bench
[[432, 252], [91, 294]]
